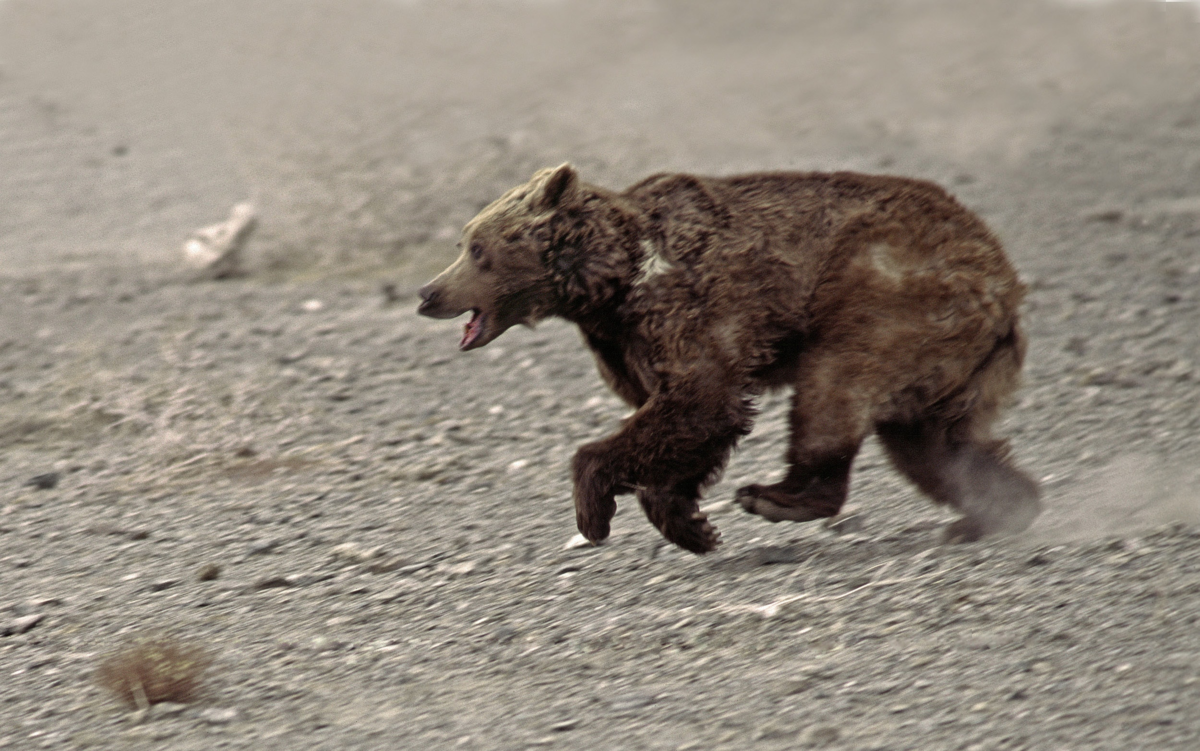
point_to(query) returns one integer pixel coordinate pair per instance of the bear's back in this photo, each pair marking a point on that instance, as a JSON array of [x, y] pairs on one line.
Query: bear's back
[[800, 214]]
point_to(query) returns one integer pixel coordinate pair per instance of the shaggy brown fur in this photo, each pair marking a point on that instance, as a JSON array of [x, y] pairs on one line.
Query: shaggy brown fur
[[881, 301]]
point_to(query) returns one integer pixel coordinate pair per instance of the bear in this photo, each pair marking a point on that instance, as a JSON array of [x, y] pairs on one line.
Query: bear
[[884, 304]]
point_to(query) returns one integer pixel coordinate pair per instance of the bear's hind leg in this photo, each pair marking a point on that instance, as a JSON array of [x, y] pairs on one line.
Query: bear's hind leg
[[806, 493], [966, 472], [676, 514], [827, 430]]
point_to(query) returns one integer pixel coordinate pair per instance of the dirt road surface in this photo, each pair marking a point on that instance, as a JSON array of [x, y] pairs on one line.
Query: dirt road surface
[[388, 515]]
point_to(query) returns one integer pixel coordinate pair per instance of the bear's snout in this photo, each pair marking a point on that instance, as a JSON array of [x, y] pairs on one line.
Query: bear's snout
[[430, 300]]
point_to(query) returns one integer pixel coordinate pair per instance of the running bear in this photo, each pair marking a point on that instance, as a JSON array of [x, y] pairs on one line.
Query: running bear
[[884, 303]]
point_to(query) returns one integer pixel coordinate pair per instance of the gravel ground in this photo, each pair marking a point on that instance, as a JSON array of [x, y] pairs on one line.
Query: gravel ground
[[388, 517]]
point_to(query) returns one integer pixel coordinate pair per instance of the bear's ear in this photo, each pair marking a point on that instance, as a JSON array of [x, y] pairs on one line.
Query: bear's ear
[[551, 186]]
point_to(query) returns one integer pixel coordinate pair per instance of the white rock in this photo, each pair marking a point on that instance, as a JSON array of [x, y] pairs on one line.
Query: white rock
[[21, 625], [716, 507], [579, 541], [216, 250]]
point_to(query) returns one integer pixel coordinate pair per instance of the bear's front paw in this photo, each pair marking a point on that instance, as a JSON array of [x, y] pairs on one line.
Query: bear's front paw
[[693, 533], [594, 524]]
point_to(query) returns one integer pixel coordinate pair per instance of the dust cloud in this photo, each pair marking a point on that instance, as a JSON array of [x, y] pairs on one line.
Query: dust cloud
[[1132, 493]]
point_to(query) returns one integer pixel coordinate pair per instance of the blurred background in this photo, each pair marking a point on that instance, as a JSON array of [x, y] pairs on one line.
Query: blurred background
[[368, 131]]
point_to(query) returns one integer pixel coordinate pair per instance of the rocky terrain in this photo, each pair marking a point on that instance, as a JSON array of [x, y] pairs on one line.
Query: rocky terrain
[[367, 529]]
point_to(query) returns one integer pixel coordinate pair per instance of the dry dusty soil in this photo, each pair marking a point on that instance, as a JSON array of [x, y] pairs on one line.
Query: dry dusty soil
[[388, 516]]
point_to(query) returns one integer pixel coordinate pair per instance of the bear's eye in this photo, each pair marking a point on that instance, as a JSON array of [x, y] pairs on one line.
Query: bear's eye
[[476, 251]]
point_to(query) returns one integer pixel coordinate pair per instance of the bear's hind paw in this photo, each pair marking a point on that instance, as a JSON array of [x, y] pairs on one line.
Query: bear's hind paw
[[751, 498]]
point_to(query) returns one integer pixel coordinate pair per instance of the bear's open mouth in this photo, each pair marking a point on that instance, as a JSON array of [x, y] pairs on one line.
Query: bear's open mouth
[[473, 330]]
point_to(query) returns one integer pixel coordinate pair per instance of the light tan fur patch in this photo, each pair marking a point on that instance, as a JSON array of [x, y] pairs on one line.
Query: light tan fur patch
[[517, 201], [509, 204], [886, 261], [652, 264]]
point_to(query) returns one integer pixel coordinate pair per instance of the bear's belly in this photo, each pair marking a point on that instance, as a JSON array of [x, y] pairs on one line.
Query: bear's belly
[[781, 367]]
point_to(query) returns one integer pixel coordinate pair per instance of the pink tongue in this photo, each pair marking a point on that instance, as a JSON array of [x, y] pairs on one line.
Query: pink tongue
[[471, 330]]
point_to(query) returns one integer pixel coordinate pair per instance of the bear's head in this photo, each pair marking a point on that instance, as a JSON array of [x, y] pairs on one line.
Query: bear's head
[[501, 275]]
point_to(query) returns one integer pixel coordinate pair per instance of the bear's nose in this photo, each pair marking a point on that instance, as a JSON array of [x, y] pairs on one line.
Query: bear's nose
[[429, 297]]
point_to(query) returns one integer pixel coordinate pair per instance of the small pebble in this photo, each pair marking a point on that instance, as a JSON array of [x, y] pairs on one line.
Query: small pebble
[[1104, 214], [633, 701], [355, 553], [1040, 558], [327, 644], [775, 733], [274, 581], [44, 481], [822, 735], [165, 709], [219, 715], [1040, 667], [262, 548], [390, 293], [460, 569]]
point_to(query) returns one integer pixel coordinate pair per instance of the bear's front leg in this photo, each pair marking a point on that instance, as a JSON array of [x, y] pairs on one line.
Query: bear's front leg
[[667, 450], [595, 492]]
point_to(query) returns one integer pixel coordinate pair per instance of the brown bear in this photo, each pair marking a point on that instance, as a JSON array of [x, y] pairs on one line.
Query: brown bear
[[881, 301]]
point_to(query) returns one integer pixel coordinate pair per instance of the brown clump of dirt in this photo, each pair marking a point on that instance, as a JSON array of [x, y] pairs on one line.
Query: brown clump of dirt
[[155, 668]]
